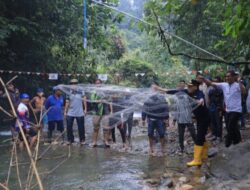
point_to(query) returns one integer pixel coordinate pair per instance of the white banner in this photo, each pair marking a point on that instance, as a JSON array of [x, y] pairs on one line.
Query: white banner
[[103, 77], [53, 76]]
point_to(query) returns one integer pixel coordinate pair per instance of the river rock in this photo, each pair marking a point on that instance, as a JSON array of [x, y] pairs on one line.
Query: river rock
[[186, 187], [212, 152], [234, 165], [153, 181], [202, 179], [183, 179], [167, 183]]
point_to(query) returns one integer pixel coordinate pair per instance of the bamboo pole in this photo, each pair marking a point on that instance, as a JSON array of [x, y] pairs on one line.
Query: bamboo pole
[[17, 168], [46, 150], [10, 166], [4, 111], [3, 186], [24, 138], [57, 166], [11, 80], [36, 155]]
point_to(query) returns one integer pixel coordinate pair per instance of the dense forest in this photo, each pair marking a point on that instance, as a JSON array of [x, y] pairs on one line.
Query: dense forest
[[47, 37]]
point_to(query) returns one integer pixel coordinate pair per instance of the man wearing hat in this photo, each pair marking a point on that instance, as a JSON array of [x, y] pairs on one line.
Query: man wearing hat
[[202, 118], [54, 105], [75, 108]]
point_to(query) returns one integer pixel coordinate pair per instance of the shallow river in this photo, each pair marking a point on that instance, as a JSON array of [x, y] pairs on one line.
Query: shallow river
[[87, 168]]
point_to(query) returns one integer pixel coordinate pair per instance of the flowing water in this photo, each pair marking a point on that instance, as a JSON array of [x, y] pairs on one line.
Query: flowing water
[[87, 168], [92, 168]]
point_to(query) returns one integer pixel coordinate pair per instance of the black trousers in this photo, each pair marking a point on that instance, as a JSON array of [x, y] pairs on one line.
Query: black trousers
[[51, 128], [233, 129], [216, 123], [122, 130], [80, 125], [129, 125], [202, 126], [181, 131]]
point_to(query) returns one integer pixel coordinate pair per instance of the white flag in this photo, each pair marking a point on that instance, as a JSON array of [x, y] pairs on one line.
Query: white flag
[[53, 76]]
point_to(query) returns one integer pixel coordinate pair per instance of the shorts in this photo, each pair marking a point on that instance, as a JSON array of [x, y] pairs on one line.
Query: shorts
[[158, 125], [58, 124], [28, 133], [97, 122]]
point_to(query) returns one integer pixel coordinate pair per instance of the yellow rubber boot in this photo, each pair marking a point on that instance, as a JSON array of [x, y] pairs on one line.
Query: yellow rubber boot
[[204, 155], [197, 156]]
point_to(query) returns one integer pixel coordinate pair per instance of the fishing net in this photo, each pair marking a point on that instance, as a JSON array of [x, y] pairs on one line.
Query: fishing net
[[116, 103]]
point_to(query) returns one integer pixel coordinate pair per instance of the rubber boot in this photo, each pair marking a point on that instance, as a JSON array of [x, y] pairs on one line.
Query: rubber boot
[[197, 156], [205, 151]]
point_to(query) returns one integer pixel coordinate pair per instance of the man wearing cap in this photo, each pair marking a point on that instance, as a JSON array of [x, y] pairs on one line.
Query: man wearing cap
[[23, 118], [202, 118], [232, 91], [75, 108], [54, 105]]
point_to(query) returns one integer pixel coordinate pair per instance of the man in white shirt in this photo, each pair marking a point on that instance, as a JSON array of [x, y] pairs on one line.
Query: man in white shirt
[[232, 91]]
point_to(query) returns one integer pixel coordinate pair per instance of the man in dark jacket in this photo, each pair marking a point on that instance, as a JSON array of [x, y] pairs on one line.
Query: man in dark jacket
[[155, 110]]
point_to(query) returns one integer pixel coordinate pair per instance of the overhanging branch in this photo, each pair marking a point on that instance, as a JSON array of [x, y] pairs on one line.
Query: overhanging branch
[[165, 42]]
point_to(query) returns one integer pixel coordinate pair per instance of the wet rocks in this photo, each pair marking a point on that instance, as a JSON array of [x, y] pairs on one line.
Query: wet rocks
[[183, 179], [186, 187], [213, 152], [153, 181], [167, 182]]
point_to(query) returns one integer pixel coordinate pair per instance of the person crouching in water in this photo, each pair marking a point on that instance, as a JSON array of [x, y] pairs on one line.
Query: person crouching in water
[[201, 114], [23, 119], [155, 110]]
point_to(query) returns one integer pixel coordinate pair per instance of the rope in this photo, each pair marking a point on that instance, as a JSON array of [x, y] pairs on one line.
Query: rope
[[155, 26]]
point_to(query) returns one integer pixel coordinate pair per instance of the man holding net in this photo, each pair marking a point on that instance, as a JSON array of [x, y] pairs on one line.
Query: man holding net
[[101, 111], [75, 108], [155, 110]]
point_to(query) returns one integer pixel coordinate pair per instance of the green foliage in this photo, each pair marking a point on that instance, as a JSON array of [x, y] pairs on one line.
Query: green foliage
[[46, 36], [221, 27], [131, 65]]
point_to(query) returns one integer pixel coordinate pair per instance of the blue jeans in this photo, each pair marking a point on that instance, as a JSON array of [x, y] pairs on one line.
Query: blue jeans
[[81, 128], [158, 125]]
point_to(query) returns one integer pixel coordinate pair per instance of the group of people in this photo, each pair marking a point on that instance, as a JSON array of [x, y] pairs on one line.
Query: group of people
[[34, 113], [214, 99]]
